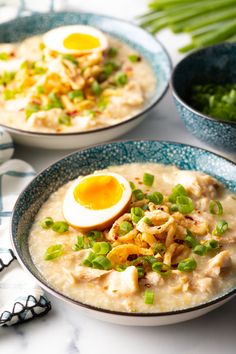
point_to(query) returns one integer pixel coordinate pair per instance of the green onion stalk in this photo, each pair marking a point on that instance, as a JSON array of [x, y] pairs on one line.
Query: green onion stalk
[[207, 22]]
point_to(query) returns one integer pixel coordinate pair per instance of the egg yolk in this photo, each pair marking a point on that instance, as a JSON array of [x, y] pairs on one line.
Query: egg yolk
[[81, 41], [98, 192]]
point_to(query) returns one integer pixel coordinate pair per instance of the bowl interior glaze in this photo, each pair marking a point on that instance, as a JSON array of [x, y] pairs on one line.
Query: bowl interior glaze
[[87, 161]]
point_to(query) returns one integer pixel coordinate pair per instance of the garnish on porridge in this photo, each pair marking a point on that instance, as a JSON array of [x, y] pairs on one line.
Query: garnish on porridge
[[72, 78]]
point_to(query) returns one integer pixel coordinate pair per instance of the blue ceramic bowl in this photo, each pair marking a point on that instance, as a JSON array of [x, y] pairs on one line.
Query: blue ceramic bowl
[[134, 36], [214, 64], [87, 161]]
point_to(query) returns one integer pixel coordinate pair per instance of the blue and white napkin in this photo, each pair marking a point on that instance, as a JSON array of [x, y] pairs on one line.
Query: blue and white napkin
[[20, 298]]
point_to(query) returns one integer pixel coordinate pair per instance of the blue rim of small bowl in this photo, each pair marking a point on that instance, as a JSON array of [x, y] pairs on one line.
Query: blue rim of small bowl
[[145, 109], [176, 95], [66, 298]]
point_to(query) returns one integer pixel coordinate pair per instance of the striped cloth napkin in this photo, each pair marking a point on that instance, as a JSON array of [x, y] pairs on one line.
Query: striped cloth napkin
[[20, 298]]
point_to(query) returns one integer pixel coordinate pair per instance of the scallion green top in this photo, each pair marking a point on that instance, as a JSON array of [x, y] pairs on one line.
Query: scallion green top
[[216, 101]]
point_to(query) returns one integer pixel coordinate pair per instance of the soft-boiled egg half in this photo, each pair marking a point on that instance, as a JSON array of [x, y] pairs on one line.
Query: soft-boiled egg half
[[76, 40], [95, 201]]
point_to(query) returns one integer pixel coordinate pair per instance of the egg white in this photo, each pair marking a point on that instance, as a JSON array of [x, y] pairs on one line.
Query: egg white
[[54, 39], [86, 219]]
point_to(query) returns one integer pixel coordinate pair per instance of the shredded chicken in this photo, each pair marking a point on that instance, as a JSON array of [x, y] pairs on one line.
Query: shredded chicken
[[122, 283], [81, 273], [154, 278], [204, 285], [221, 261], [45, 120]]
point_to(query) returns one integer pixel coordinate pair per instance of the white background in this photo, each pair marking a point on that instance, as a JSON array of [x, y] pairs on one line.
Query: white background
[[65, 330]]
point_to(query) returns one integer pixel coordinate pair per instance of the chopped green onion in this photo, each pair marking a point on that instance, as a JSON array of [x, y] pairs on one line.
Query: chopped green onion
[[112, 52], [148, 179], [96, 88], [161, 268], [121, 79], [185, 204], [190, 240], [101, 247], [150, 259], [211, 245], [159, 248], [140, 271], [155, 197], [89, 112], [64, 119], [7, 77], [109, 67], [38, 70], [95, 235], [55, 101], [88, 260], [217, 101], [149, 297], [53, 252], [107, 70], [40, 89], [140, 261], [132, 185], [9, 94], [136, 214], [4, 56], [41, 46], [91, 242], [134, 58], [174, 207], [125, 227], [201, 250], [47, 223], [220, 228], [216, 207], [30, 109], [60, 227], [177, 191], [139, 195], [101, 262], [70, 58], [187, 265], [79, 245], [102, 102], [121, 267], [76, 95], [147, 221], [27, 65]]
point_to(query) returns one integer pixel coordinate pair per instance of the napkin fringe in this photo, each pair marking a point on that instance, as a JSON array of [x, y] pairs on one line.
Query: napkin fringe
[[3, 264], [28, 311]]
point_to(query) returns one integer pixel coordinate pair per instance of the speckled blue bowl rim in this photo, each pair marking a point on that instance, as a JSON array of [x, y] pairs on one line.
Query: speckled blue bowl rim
[[224, 296], [176, 95], [145, 109]]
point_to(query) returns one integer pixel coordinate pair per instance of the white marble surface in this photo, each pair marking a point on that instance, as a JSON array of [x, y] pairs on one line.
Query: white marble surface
[[67, 331]]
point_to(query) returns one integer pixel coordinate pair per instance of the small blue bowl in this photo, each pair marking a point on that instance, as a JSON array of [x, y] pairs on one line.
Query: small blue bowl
[[215, 64], [86, 161]]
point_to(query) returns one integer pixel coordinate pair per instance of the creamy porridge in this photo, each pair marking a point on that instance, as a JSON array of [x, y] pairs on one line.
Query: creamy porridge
[[171, 247], [45, 87]]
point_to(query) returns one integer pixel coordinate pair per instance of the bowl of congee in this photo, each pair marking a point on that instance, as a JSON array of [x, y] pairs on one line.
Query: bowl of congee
[[132, 232], [69, 80]]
